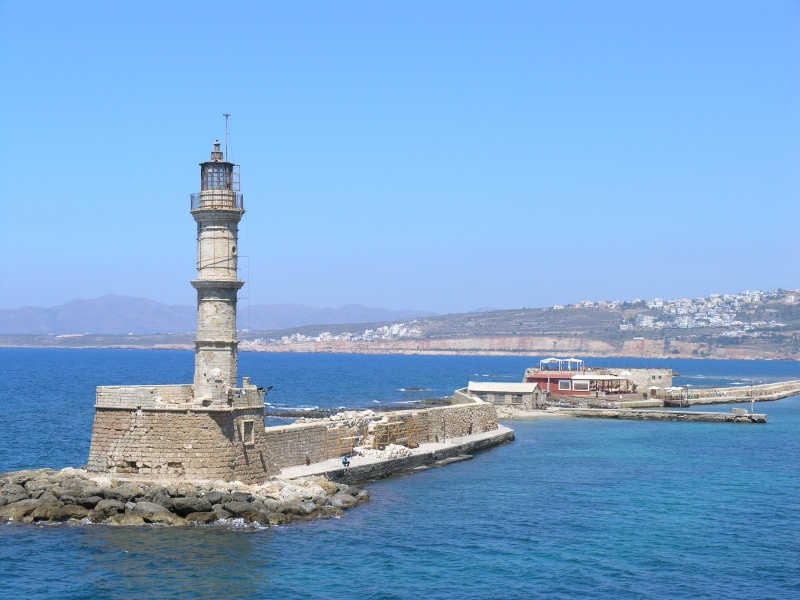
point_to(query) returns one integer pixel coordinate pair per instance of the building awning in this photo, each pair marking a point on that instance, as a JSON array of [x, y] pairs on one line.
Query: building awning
[[587, 377], [492, 387]]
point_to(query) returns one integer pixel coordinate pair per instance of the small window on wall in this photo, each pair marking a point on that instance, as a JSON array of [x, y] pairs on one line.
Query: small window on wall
[[580, 386], [248, 433], [564, 384]]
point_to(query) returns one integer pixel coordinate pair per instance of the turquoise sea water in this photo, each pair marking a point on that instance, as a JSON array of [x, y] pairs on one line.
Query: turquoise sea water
[[571, 509]]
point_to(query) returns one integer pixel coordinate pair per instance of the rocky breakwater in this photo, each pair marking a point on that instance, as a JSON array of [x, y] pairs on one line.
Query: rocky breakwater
[[74, 495]]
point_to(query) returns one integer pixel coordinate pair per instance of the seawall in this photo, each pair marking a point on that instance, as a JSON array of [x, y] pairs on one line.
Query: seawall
[[363, 469], [665, 415], [323, 439], [759, 393]]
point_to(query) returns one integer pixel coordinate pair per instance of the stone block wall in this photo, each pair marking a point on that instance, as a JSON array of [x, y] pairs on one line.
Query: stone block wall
[[144, 396], [521, 401], [171, 397], [455, 421], [645, 378], [137, 432], [222, 444], [433, 424], [287, 445]]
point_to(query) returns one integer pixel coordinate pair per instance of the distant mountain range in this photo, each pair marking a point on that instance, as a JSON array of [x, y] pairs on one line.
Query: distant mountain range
[[123, 314]]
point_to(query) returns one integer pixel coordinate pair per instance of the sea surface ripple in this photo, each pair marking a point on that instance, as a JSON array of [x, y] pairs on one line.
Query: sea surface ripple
[[571, 509]]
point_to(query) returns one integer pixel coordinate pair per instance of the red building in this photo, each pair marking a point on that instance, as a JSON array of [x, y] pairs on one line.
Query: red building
[[569, 377]]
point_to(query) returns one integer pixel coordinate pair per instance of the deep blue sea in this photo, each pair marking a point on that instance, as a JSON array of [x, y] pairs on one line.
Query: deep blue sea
[[572, 509]]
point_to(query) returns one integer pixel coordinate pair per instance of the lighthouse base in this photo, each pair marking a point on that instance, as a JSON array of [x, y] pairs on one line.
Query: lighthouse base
[[161, 432]]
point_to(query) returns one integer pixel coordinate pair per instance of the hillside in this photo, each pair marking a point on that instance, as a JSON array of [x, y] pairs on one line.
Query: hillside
[[122, 315], [748, 325]]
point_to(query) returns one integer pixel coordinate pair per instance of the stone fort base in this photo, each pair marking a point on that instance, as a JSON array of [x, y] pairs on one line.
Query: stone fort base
[[148, 432]]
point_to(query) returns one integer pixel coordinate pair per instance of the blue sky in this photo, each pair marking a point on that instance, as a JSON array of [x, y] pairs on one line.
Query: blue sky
[[433, 155]]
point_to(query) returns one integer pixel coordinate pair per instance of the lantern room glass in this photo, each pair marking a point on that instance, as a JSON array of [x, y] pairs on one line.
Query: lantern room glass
[[216, 176]]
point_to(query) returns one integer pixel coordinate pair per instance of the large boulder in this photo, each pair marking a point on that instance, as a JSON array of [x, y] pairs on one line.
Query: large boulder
[[124, 520], [326, 512], [48, 497], [18, 510], [342, 500], [45, 512], [124, 493], [276, 518], [13, 492], [160, 498], [183, 490], [184, 506], [106, 508], [90, 489], [12, 498], [201, 518], [215, 497], [299, 508], [241, 497], [249, 511], [69, 512], [71, 488], [221, 512], [291, 492], [314, 492], [89, 502], [23, 477], [271, 505], [35, 485], [153, 491], [155, 513], [327, 485]]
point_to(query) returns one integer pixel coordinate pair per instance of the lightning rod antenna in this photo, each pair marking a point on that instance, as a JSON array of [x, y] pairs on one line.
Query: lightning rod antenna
[[226, 115]]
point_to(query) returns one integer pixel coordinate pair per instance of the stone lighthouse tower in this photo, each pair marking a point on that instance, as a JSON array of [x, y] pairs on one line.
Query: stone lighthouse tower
[[218, 208], [212, 428]]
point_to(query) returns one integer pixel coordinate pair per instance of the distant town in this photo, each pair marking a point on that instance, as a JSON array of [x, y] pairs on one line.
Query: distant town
[[718, 310], [715, 311], [749, 325], [384, 332]]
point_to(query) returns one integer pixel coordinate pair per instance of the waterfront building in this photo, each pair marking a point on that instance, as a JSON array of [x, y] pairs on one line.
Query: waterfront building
[[519, 395], [571, 377]]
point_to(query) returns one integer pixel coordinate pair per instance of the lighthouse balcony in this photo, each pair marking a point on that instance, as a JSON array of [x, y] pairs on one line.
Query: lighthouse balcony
[[217, 200]]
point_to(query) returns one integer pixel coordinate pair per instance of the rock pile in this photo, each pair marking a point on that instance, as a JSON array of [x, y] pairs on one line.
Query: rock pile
[[73, 495], [357, 419], [390, 451]]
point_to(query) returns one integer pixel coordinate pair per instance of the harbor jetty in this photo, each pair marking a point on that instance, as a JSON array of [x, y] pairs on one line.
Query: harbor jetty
[[365, 466], [736, 416], [766, 392]]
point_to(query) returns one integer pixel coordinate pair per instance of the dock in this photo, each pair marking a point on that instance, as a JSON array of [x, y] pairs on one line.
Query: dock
[[736, 416], [765, 392]]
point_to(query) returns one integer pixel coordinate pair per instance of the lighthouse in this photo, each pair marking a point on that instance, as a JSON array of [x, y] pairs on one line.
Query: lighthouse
[[217, 209], [212, 428]]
